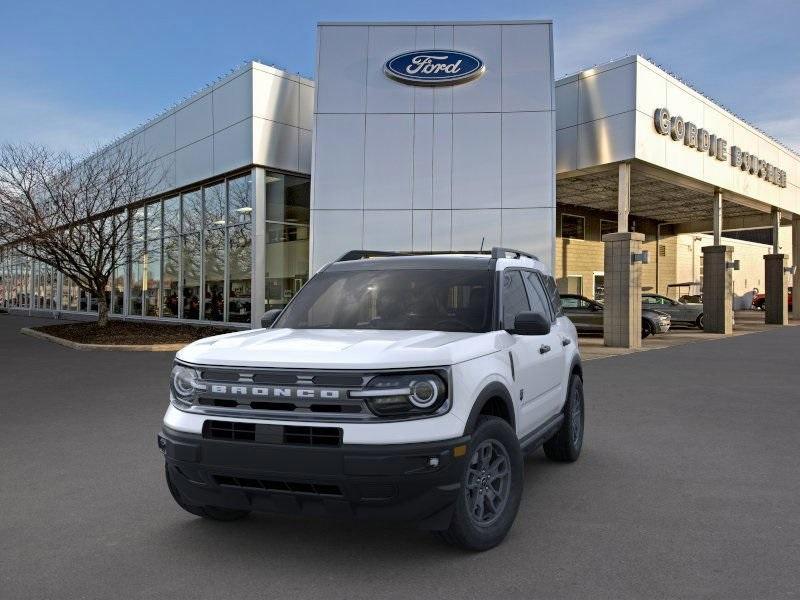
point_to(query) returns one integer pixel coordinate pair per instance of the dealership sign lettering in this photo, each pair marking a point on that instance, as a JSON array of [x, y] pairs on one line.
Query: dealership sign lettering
[[434, 67], [703, 141]]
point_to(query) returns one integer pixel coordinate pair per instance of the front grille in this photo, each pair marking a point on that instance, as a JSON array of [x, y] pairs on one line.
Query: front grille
[[229, 430], [272, 434], [292, 487], [312, 436]]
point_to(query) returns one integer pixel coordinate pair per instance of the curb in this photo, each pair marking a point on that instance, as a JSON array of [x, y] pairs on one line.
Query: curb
[[120, 347]]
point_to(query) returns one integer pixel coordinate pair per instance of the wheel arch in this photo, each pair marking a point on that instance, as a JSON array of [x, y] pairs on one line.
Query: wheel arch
[[496, 398]]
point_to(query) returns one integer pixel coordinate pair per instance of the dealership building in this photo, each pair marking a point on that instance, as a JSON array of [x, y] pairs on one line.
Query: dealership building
[[448, 137]]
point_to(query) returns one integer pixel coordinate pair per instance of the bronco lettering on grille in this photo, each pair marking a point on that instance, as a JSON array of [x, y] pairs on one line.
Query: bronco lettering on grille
[[275, 392]]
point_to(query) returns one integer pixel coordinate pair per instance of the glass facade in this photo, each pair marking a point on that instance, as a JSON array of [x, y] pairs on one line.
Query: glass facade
[[190, 256]]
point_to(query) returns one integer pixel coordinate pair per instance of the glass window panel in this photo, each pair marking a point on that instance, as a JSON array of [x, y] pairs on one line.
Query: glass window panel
[[154, 220], [239, 272], [172, 216], [65, 297], [215, 206], [607, 227], [515, 299], [239, 206], [214, 292], [190, 257], [137, 225], [192, 211], [169, 306], [151, 263], [288, 198], [572, 227], [135, 300], [119, 290]]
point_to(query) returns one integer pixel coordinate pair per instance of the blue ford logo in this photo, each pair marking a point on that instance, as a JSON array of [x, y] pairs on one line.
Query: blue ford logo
[[434, 67]]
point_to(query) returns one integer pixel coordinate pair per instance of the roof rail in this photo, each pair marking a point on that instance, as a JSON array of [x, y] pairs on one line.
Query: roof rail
[[498, 252], [359, 254]]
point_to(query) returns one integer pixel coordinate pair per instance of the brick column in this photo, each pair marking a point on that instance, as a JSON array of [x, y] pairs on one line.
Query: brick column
[[622, 313], [776, 290], [717, 289]]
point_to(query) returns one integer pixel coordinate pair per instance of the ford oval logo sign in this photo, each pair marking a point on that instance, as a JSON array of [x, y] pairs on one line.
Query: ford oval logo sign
[[434, 67]]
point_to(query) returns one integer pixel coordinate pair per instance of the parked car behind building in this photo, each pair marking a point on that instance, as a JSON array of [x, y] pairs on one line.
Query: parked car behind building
[[587, 315]]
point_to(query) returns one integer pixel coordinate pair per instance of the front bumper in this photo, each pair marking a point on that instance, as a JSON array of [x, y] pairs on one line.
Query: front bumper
[[404, 482]]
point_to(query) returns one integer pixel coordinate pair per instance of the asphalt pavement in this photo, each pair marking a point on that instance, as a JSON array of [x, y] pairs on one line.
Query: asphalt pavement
[[688, 487]]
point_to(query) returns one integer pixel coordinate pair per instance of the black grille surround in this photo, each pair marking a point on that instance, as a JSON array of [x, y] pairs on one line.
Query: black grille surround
[[293, 435], [293, 395]]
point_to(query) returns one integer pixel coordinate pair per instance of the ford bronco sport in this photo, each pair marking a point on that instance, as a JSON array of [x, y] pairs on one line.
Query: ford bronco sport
[[391, 386]]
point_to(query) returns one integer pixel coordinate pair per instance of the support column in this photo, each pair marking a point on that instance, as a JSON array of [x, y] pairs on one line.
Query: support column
[[717, 290], [776, 290], [258, 196], [717, 218], [622, 313], [796, 263], [623, 197]]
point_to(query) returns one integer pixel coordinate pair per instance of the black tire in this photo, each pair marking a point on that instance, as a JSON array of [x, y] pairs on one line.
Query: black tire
[[648, 328], [700, 321], [207, 512], [467, 529], [566, 444]]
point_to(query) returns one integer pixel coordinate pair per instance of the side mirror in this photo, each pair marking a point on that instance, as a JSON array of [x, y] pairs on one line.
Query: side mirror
[[270, 317], [531, 323]]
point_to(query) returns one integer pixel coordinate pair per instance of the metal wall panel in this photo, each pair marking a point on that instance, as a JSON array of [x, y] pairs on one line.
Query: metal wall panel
[[442, 161], [305, 141], [567, 105], [194, 162], [566, 149], [483, 94], [387, 229], [342, 69], [338, 162], [423, 165], [607, 93], [389, 172], [233, 101], [194, 121], [518, 224], [233, 146], [471, 227], [385, 95], [276, 145], [476, 160], [527, 165], [421, 230], [275, 98], [606, 140], [526, 77], [306, 102], [159, 138], [334, 232]]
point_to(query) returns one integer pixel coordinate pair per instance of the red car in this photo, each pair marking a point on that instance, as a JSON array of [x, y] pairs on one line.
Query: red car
[[760, 299]]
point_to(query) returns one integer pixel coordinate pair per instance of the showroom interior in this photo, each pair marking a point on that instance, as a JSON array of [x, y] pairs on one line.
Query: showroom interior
[[618, 174]]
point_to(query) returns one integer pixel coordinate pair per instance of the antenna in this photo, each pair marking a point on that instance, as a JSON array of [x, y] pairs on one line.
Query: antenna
[[483, 239]]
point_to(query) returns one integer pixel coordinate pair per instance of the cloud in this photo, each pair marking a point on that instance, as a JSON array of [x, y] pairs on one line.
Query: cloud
[[33, 116], [586, 37]]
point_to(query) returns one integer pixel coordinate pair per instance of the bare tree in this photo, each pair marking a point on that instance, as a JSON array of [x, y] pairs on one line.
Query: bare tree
[[70, 213]]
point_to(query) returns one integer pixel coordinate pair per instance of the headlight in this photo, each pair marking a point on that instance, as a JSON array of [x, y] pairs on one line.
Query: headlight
[[405, 395], [184, 381]]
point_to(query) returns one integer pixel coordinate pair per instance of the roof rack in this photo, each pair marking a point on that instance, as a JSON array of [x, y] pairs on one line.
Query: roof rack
[[362, 254], [498, 252]]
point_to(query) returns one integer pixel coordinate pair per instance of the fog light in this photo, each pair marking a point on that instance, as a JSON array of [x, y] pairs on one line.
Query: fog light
[[433, 461]]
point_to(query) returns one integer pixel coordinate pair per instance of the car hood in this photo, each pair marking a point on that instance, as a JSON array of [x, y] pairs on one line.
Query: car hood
[[338, 348]]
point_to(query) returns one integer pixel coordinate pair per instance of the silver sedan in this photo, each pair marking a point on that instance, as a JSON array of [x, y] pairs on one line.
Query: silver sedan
[[682, 313]]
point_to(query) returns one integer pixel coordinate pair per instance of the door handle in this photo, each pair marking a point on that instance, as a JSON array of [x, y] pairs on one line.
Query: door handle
[[566, 341], [544, 349]]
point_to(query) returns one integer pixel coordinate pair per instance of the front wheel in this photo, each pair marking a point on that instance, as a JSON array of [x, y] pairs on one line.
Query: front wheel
[[700, 321], [491, 488], [648, 328], [566, 444]]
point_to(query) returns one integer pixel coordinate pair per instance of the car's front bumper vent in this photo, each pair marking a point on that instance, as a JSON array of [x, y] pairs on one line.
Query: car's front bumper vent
[[292, 487], [272, 434]]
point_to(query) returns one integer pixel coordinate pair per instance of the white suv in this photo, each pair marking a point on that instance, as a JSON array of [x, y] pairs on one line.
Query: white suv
[[391, 386]]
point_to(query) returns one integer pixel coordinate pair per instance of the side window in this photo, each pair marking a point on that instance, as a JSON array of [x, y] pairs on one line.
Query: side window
[[649, 300], [515, 300], [536, 294], [570, 302], [552, 293]]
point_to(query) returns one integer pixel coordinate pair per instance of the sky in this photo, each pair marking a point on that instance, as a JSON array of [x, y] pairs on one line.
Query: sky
[[76, 74]]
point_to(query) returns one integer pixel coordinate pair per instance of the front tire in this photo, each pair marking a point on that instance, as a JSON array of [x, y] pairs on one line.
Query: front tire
[[700, 321], [215, 513], [566, 444], [648, 328], [491, 488]]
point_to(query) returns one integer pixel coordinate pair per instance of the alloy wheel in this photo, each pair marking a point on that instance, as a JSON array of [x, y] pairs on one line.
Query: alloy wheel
[[488, 482]]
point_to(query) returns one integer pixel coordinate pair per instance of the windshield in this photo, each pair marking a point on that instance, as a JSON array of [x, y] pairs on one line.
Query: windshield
[[399, 299]]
